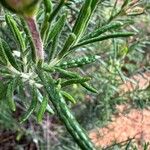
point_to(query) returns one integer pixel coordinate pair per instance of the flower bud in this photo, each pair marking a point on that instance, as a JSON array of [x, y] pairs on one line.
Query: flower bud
[[23, 7]]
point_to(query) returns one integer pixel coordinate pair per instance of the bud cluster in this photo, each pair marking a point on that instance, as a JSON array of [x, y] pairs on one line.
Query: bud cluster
[[22, 7]]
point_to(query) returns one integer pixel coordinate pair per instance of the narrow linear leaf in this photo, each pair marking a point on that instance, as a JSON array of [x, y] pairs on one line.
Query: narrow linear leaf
[[47, 68], [32, 106], [45, 27], [75, 81], [101, 30], [40, 99], [125, 4], [114, 12], [53, 48], [104, 37], [52, 16], [15, 31], [57, 27], [53, 36], [71, 75], [29, 37], [10, 94], [68, 97], [3, 90], [9, 55], [79, 62], [48, 10], [56, 10], [79, 27], [89, 87], [64, 112], [42, 109], [83, 18], [20, 42], [66, 74], [94, 4], [3, 57], [48, 6], [70, 41]]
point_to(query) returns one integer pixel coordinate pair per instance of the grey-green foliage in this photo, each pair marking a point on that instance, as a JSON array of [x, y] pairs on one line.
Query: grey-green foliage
[[47, 78]]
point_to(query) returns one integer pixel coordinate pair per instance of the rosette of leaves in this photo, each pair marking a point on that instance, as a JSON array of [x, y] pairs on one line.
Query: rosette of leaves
[[39, 63]]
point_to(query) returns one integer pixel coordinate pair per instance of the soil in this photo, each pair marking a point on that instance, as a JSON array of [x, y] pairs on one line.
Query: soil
[[127, 124]]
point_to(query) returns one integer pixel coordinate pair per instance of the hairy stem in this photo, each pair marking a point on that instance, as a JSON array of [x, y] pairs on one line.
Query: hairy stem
[[38, 54], [64, 112]]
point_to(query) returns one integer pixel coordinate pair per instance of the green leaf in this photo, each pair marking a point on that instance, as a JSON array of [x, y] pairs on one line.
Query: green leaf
[[57, 27], [16, 32], [29, 38], [71, 39], [125, 3], [64, 112], [104, 37], [42, 109], [68, 97], [32, 106], [18, 38], [79, 62], [52, 17], [71, 75], [83, 18], [53, 48], [48, 6], [89, 87], [66, 74], [75, 81], [48, 9], [3, 90], [80, 26], [40, 99], [10, 94], [53, 36], [45, 27], [9, 55], [56, 10], [101, 30], [3, 57]]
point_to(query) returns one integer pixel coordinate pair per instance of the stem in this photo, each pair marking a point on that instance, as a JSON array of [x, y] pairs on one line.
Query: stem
[[38, 54], [64, 113]]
